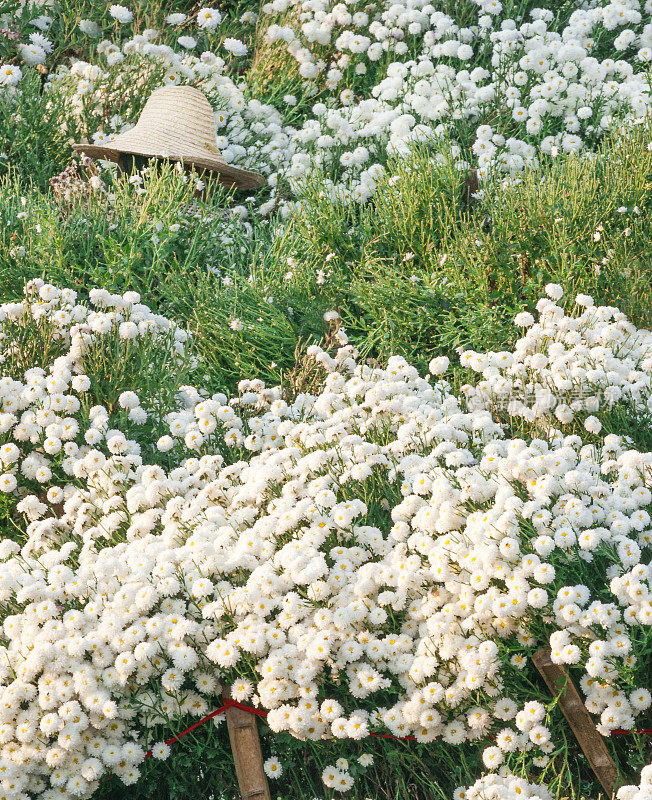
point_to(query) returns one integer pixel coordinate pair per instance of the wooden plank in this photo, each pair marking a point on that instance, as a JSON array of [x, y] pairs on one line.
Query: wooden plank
[[572, 707], [247, 755]]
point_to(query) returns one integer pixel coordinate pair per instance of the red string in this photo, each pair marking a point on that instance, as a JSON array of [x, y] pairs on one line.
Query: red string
[[228, 704], [389, 736], [621, 732], [260, 713]]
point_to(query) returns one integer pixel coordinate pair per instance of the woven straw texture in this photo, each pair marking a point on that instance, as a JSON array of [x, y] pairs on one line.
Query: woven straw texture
[[177, 123]]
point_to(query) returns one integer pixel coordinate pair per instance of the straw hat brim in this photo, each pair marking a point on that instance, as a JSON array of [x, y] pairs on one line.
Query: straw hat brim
[[227, 174]]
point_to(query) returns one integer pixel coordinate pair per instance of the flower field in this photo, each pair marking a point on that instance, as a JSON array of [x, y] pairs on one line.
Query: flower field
[[352, 447]]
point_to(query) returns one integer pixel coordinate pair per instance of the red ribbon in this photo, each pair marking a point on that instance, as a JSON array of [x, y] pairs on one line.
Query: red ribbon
[[621, 732]]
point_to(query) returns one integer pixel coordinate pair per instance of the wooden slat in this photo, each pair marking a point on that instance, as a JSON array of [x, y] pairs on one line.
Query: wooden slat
[[247, 755], [572, 707]]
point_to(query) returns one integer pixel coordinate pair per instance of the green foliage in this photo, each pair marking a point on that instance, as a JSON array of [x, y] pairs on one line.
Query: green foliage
[[70, 41], [419, 270], [36, 132], [401, 770], [121, 238]]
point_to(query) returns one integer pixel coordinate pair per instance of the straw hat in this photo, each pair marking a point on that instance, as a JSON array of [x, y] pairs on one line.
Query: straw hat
[[177, 123]]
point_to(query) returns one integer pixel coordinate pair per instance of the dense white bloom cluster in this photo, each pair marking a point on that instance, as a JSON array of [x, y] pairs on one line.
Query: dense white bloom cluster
[[504, 786], [396, 73], [48, 427], [564, 366], [381, 540], [543, 89]]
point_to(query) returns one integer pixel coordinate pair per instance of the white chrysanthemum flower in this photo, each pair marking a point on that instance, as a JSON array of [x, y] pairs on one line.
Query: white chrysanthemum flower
[[235, 46], [273, 768], [439, 365], [554, 290], [208, 18], [524, 319], [160, 751], [121, 13]]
